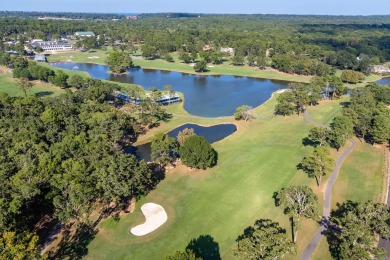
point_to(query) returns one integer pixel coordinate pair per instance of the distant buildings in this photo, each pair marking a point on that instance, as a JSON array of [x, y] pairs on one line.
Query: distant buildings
[[40, 58], [227, 50], [84, 34], [164, 100], [133, 18], [380, 69], [52, 45]]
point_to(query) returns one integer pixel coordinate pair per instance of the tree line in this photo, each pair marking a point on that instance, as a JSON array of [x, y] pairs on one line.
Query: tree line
[[287, 43]]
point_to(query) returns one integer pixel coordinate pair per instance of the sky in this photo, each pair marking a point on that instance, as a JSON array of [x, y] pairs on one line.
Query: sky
[[319, 7]]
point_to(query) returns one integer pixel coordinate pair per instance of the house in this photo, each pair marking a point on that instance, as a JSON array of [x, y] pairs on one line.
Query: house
[[84, 34], [40, 58], [380, 69], [227, 50], [133, 18], [52, 45]]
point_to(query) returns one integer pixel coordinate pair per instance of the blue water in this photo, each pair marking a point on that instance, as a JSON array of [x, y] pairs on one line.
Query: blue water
[[212, 134], [384, 81], [206, 96]]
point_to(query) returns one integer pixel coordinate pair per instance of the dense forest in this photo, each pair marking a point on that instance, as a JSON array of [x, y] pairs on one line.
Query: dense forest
[[309, 45]]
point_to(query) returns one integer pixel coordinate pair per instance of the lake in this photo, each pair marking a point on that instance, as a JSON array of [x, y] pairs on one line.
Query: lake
[[212, 134], [384, 81], [206, 96]]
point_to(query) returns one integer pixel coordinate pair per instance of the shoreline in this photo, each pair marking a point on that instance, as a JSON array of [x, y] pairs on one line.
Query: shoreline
[[204, 74]]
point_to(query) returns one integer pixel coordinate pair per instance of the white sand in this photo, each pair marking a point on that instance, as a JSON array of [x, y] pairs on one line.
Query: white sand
[[281, 91], [155, 217]]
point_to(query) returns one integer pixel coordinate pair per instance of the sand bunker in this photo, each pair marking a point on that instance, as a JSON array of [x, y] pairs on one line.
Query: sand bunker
[[155, 217]]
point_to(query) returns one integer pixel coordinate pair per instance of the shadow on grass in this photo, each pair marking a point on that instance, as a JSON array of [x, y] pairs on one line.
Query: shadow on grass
[[74, 246], [205, 247], [307, 142], [44, 93]]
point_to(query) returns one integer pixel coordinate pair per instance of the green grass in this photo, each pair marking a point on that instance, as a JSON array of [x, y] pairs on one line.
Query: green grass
[[257, 160], [225, 68], [368, 79], [327, 110], [360, 177], [8, 85]]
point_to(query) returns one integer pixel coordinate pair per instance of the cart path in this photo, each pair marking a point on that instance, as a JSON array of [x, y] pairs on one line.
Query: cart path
[[327, 194]]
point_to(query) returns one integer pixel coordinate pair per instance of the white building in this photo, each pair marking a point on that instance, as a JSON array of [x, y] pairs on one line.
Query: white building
[[52, 45], [227, 50], [84, 34]]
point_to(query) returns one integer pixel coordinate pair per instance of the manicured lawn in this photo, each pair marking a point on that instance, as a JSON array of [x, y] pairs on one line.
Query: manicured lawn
[[327, 110], [8, 85], [360, 177], [99, 56], [257, 160]]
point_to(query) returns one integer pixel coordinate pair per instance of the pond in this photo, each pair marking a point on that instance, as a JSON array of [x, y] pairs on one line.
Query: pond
[[206, 96], [384, 81], [212, 134]]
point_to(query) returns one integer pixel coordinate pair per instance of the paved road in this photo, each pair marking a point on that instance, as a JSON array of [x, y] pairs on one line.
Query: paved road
[[327, 195], [383, 242]]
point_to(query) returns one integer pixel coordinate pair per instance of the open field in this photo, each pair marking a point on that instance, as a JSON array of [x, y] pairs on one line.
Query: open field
[[257, 160], [99, 56], [8, 85]]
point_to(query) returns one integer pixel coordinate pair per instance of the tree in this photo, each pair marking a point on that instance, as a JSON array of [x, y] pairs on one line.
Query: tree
[[342, 129], [200, 66], [242, 113], [184, 134], [75, 81], [185, 57], [381, 127], [168, 57], [60, 79], [24, 85], [149, 52], [318, 164], [298, 201], [265, 240], [355, 228], [168, 88], [197, 152], [286, 104], [238, 60], [19, 246], [301, 97], [186, 255], [164, 149], [350, 76], [319, 135], [119, 61]]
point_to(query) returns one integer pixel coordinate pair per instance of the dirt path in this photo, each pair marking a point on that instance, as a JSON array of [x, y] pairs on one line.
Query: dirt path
[[327, 195]]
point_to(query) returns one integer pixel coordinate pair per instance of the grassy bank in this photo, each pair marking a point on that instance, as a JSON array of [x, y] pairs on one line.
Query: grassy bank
[[9, 85]]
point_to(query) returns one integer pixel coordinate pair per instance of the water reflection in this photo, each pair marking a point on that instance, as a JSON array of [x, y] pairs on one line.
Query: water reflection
[[207, 96]]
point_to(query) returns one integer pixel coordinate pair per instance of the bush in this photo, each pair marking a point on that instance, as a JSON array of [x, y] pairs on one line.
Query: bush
[[353, 77], [197, 152]]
